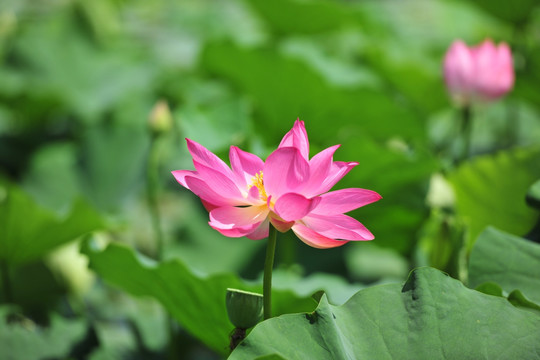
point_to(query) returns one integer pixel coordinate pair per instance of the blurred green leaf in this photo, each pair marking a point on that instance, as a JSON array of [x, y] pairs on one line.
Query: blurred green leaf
[[441, 243], [400, 174], [508, 260], [533, 195], [113, 162], [38, 300], [336, 287], [441, 318], [52, 178], [22, 339], [219, 125], [491, 189], [197, 245], [66, 68], [285, 88], [198, 303], [286, 16], [368, 262], [29, 231], [517, 11]]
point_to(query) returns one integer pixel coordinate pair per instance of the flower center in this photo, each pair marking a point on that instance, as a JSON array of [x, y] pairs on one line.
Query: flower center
[[258, 182]]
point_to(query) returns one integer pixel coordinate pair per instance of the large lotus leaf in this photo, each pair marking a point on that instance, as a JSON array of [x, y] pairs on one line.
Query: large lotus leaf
[[432, 317], [492, 189], [23, 339], [28, 231], [508, 260], [197, 302]]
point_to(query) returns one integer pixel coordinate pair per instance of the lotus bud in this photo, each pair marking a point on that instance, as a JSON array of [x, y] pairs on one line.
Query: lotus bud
[[478, 74], [160, 120], [244, 308]]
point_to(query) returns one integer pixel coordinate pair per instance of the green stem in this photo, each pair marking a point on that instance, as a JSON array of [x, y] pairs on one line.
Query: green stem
[[267, 279], [152, 185], [6, 282], [466, 131], [512, 125], [152, 189]]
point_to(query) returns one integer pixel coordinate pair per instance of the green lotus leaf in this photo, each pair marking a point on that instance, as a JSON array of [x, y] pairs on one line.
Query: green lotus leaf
[[431, 317]]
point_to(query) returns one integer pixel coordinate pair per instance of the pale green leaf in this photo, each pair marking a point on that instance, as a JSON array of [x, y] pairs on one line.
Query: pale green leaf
[[507, 260]]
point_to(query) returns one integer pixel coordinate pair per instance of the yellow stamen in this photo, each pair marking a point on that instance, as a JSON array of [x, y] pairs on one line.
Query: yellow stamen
[[258, 182]]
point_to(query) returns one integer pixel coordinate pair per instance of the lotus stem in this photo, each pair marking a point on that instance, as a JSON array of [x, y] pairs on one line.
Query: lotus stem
[[152, 185], [466, 131]]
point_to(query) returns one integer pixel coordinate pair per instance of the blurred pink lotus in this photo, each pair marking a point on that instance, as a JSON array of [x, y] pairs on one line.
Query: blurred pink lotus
[[479, 73], [284, 191]]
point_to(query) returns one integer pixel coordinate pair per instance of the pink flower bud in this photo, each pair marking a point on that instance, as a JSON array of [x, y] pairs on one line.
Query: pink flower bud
[[479, 73]]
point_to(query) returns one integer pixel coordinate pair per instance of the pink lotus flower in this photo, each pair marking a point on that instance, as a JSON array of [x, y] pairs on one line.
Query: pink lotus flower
[[480, 73], [289, 190]]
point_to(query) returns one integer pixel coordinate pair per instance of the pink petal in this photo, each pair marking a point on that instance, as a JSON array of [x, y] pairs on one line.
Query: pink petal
[[219, 183], [237, 221], [254, 196], [319, 168], [244, 165], [337, 171], [236, 232], [208, 206], [297, 138], [505, 75], [285, 171], [315, 239], [180, 176], [261, 231], [206, 193], [293, 206], [459, 70], [338, 227], [280, 224], [345, 200], [497, 77], [205, 157], [485, 58]]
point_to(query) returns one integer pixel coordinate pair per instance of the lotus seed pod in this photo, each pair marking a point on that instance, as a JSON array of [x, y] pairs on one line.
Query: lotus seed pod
[[244, 308]]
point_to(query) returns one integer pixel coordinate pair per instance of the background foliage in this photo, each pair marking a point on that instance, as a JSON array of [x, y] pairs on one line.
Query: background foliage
[[82, 274]]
